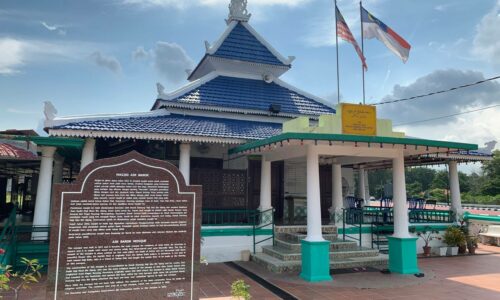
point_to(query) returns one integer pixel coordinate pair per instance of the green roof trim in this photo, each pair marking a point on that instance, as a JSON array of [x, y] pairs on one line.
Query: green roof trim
[[59, 142], [351, 138]]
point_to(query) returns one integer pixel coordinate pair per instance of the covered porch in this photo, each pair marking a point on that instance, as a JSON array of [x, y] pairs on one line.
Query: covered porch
[[358, 152]]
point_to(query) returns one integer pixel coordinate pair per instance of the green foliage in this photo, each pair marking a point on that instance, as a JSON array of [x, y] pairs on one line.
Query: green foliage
[[16, 281], [491, 171], [481, 199], [454, 237], [240, 290], [440, 180], [414, 189], [428, 235], [437, 194], [424, 176]]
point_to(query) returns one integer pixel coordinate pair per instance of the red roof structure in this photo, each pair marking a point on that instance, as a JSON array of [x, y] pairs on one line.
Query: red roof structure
[[8, 151]]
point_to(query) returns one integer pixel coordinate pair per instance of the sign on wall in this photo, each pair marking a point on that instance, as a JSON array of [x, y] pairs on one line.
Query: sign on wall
[[359, 119], [129, 228]]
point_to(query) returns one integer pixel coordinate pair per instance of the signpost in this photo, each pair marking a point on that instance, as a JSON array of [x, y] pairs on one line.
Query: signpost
[[129, 228], [359, 119]]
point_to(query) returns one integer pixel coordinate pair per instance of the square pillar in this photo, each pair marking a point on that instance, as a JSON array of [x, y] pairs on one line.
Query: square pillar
[[402, 246], [315, 250]]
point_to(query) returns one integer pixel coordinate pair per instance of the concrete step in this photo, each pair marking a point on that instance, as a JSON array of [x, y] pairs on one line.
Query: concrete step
[[335, 245], [302, 229], [276, 265], [290, 255], [296, 237]]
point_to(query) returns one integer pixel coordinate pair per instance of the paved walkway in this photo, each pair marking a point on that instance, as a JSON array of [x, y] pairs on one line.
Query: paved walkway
[[467, 277]]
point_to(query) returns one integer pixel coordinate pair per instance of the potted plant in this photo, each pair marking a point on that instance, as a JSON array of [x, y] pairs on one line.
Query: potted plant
[[472, 243], [240, 290], [427, 235], [453, 237]]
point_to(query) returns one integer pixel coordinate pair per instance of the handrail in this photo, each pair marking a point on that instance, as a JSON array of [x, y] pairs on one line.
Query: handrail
[[354, 217], [227, 217], [7, 238], [258, 224], [469, 216]]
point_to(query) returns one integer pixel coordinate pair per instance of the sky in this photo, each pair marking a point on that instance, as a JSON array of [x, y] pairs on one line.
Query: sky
[[106, 56]]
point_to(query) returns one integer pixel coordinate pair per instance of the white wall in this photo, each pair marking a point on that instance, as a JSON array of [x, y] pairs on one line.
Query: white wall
[[228, 248]]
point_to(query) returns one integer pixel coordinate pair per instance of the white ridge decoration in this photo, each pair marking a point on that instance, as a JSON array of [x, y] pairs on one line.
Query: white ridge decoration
[[238, 11], [49, 110]]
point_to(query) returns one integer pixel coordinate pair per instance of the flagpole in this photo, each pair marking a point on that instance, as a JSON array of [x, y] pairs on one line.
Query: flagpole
[[362, 47], [337, 50]]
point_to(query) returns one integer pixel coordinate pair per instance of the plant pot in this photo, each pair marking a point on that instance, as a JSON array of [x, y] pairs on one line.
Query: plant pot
[[427, 250], [462, 249], [245, 255], [472, 250], [443, 251], [452, 251]]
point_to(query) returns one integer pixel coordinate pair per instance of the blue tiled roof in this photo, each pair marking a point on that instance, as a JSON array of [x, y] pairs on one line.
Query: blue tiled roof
[[183, 125], [241, 44], [251, 94]]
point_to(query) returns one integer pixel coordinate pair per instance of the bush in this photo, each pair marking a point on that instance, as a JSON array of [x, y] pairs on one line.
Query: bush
[[480, 199], [454, 237]]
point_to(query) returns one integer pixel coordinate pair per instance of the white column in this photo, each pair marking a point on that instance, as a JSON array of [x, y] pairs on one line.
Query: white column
[[337, 198], [185, 160], [42, 205], [88, 153], [265, 185], [58, 168], [361, 184], [399, 197], [456, 201], [313, 197], [367, 189]]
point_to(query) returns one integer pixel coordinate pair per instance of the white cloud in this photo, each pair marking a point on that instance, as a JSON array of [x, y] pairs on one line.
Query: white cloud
[[12, 55], [171, 60], [140, 53], [55, 28], [486, 43], [477, 127], [183, 4], [18, 53], [438, 105], [107, 62]]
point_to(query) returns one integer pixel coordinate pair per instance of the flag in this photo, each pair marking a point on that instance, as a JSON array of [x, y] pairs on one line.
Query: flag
[[374, 28], [344, 33]]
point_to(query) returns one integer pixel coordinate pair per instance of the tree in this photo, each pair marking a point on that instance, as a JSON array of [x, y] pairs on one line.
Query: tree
[[491, 171], [440, 180], [422, 175]]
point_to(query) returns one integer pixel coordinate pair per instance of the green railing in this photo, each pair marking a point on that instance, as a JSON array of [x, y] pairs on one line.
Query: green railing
[[353, 217], [380, 215], [430, 216], [228, 217], [7, 238], [261, 220]]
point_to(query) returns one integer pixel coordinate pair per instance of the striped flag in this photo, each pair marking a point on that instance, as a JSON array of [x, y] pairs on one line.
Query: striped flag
[[344, 33], [374, 28]]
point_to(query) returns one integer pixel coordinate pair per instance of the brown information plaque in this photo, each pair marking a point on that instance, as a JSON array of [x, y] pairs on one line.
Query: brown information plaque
[[129, 228]]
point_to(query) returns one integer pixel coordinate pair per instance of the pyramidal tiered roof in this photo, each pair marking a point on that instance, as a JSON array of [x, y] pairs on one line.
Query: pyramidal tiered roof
[[234, 94]]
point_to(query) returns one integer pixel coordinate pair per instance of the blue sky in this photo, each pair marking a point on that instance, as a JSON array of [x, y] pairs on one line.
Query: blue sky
[[106, 56]]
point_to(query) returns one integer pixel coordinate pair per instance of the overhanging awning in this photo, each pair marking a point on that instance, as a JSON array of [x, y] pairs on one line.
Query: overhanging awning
[[414, 146]]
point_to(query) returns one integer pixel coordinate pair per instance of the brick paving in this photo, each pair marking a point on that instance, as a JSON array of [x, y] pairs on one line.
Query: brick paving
[[459, 278]]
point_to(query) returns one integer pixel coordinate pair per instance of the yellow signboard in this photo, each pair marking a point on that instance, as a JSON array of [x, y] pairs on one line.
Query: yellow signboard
[[359, 119]]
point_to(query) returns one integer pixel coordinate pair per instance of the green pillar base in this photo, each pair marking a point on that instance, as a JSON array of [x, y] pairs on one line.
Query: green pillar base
[[315, 261], [403, 255]]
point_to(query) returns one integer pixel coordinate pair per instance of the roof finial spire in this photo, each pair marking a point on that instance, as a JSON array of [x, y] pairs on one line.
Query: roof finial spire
[[238, 11]]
